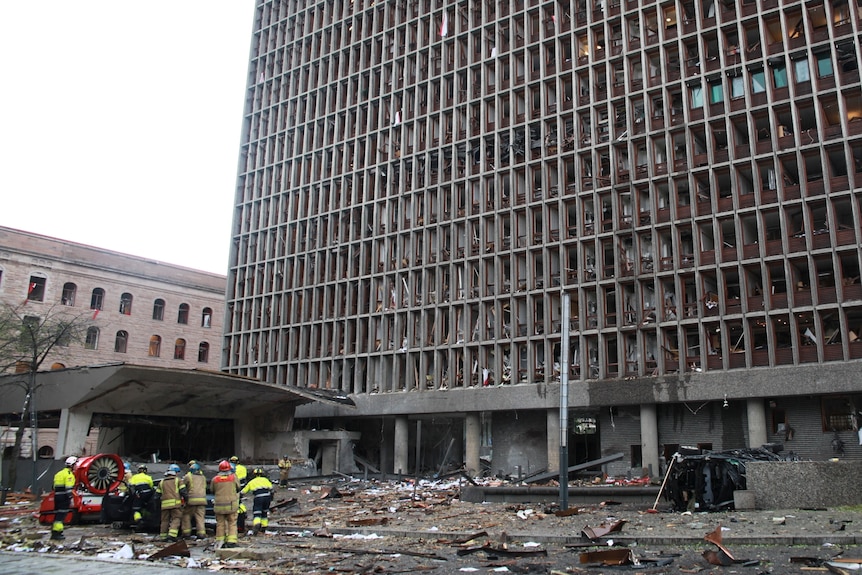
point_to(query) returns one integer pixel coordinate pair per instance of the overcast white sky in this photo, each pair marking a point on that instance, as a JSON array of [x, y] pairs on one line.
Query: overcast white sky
[[120, 123]]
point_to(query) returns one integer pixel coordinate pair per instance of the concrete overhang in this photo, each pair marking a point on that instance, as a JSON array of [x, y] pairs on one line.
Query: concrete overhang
[[142, 390]]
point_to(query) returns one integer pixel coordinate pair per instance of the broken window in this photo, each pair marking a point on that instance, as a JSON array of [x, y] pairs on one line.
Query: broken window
[[36, 288], [838, 413], [203, 352], [68, 297], [206, 317], [183, 314], [121, 340], [91, 341], [155, 346], [97, 298], [126, 304]]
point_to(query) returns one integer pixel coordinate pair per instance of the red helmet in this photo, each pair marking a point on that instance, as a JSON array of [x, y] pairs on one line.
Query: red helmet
[[224, 466]]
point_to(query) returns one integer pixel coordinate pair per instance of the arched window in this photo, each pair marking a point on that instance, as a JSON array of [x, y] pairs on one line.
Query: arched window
[[69, 290], [180, 349], [183, 315], [207, 317], [121, 341], [57, 365], [159, 309], [92, 339], [155, 346], [204, 352], [97, 299], [126, 304], [46, 452]]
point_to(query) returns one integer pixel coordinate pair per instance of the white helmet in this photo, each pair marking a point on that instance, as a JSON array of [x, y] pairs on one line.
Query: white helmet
[[71, 460]]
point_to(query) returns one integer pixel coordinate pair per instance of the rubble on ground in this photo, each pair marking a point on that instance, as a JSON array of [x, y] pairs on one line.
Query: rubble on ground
[[365, 526]]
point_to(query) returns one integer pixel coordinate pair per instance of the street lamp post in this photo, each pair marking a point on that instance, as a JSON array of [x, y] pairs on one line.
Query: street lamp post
[[564, 407], [34, 426]]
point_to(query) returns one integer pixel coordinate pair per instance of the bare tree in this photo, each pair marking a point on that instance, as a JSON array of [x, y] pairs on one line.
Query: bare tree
[[29, 335]]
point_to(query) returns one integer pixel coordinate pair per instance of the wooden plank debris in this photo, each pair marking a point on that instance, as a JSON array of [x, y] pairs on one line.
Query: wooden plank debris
[[284, 503], [367, 521], [463, 540], [178, 549]]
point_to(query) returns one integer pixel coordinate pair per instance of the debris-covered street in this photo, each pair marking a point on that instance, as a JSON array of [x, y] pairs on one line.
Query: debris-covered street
[[352, 526]]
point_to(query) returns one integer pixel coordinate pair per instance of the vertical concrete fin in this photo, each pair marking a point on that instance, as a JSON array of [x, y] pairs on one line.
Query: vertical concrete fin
[[72, 432]]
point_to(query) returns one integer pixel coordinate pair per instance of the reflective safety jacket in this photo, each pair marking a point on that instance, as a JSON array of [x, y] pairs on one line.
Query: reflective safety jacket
[[241, 472], [139, 480], [196, 488], [64, 481], [225, 487], [259, 486], [171, 492]]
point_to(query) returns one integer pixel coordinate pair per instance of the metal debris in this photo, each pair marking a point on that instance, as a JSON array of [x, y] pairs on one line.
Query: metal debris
[[593, 533], [608, 557]]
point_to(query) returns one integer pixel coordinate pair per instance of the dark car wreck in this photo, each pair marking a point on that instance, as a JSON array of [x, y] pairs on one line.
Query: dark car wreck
[[699, 480]]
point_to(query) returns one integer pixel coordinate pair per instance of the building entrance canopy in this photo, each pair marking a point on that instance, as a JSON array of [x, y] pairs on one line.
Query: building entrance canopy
[[139, 390]]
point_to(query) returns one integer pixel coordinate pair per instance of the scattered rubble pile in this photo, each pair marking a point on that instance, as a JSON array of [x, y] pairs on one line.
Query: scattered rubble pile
[[352, 526]]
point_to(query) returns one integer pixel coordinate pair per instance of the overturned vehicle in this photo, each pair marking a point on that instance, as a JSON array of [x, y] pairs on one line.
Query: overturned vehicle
[[699, 480]]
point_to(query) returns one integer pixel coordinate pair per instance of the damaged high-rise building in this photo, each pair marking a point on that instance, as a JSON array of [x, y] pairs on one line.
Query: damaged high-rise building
[[422, 183]]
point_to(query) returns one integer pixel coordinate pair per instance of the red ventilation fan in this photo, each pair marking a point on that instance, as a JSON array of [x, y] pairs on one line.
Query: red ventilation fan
[[95, 475]]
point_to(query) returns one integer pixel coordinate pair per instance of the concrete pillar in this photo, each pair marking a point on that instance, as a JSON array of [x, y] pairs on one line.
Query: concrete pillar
[[756, 421], [329, 458], [243, 438], [72, 433], [402, 447], [553, 440], [473, 440], [649, 438]]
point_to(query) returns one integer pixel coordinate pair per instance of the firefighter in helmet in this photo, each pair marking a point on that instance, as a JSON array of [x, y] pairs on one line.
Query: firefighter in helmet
[[225, 487], [239, 469], [64, 482], [261, 487], [172, 495], [241, 473], [141, 485], [284, 465], [194, 511]]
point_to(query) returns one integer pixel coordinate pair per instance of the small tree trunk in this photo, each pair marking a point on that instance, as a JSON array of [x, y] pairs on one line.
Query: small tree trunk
[[12, 476]]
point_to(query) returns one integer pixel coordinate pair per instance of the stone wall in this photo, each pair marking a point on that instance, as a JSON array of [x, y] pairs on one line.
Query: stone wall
[[85, 268], [804, 484]]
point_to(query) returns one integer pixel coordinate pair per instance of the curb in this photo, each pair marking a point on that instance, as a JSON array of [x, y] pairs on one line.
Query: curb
[[628, 540]]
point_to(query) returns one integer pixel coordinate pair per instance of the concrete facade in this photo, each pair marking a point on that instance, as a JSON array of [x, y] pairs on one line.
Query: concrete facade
[[420, 183], [804, 484]]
